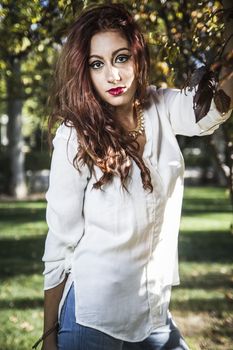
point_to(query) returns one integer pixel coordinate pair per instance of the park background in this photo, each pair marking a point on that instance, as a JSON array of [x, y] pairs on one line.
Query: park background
[[182, 35]]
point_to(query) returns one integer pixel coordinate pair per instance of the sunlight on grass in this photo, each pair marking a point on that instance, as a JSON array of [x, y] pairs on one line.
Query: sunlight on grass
[[210, 193], [23, 229], [30, 206], [210, 221], [190, 270], [198, 295], [21, 328], [11, 288], [28, 218]]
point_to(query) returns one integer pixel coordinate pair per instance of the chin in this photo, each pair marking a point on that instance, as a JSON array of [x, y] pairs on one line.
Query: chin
[[118, 101]]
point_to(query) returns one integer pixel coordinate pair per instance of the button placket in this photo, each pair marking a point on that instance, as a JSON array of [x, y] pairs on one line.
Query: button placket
[[156, 204]]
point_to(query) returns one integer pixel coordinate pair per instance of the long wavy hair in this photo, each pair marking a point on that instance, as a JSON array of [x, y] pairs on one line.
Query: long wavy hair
[[102, 141]]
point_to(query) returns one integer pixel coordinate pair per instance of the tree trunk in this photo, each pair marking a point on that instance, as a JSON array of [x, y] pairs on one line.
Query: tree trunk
[[227, 4], [17, 179], [218, 147], [229, 157]]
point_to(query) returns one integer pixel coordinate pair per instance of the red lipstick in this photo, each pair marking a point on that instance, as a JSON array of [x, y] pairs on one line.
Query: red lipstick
[[116, 91]]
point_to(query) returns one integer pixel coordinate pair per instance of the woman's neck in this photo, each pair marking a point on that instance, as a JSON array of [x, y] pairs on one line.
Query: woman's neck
[[126, 116]]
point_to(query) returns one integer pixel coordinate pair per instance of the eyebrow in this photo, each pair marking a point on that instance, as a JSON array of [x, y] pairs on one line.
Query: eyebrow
[[113, 54]]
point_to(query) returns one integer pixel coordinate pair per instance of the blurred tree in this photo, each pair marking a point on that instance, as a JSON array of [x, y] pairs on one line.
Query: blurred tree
[[28, 31]]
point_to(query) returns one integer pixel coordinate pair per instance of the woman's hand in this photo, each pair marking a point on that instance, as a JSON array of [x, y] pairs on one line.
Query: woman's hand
[[50, 347], [51, 304], [49, 344]]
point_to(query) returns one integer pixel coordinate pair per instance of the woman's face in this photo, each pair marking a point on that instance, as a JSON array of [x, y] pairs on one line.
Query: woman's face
[[112, 68]]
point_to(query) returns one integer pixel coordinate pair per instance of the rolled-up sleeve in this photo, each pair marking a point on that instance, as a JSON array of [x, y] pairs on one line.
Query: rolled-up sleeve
[[179, 108], [64, 212]]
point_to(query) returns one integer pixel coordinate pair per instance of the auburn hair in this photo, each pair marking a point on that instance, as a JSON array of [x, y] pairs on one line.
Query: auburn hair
[[102, 141]]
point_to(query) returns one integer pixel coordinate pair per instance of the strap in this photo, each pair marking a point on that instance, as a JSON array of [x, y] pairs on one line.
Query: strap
[[44, 335]]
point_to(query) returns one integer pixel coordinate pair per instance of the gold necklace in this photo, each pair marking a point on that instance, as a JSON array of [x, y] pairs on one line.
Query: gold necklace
[[140, 123]]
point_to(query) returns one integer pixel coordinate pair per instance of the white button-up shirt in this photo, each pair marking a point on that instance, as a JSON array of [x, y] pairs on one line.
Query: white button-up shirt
[[119, 248]]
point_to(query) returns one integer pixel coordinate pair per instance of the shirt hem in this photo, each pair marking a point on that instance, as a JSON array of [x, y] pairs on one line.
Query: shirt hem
[[119, 336]]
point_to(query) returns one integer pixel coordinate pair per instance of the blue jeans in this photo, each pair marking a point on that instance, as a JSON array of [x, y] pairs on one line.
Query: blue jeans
[[73, 336]]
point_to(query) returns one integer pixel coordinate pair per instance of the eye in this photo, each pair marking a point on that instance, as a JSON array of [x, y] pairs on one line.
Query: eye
[[96, 64], [122, 58]]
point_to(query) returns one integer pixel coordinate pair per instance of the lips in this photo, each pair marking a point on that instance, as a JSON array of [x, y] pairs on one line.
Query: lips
[[116, 91]]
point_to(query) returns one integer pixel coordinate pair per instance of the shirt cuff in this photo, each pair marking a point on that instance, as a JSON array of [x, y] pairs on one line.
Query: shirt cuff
[[55, 271], [213, 119]]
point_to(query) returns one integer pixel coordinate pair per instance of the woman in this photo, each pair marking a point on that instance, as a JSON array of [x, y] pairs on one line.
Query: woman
[[115, 192]]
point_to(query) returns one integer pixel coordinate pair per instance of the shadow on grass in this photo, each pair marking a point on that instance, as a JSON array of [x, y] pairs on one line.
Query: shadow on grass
[[194, 206], [208, 281], [21, 256], [202, 305], [22, 215], [207, 246], [21, 303]]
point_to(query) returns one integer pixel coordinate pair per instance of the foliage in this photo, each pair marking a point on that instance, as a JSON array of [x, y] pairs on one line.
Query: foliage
[[30, 33], [180, 35]]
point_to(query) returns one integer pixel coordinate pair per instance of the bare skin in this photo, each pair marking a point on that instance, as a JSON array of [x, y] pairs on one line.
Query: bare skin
[[52, 298]]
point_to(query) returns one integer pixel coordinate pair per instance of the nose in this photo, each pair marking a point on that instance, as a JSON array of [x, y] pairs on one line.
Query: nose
[[113, 74]]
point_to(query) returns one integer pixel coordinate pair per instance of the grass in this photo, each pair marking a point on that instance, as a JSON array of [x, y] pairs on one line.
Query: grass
[[202, 305], [22, 234]]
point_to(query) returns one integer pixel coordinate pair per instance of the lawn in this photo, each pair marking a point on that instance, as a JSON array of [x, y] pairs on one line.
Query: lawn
[[202, 305]]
